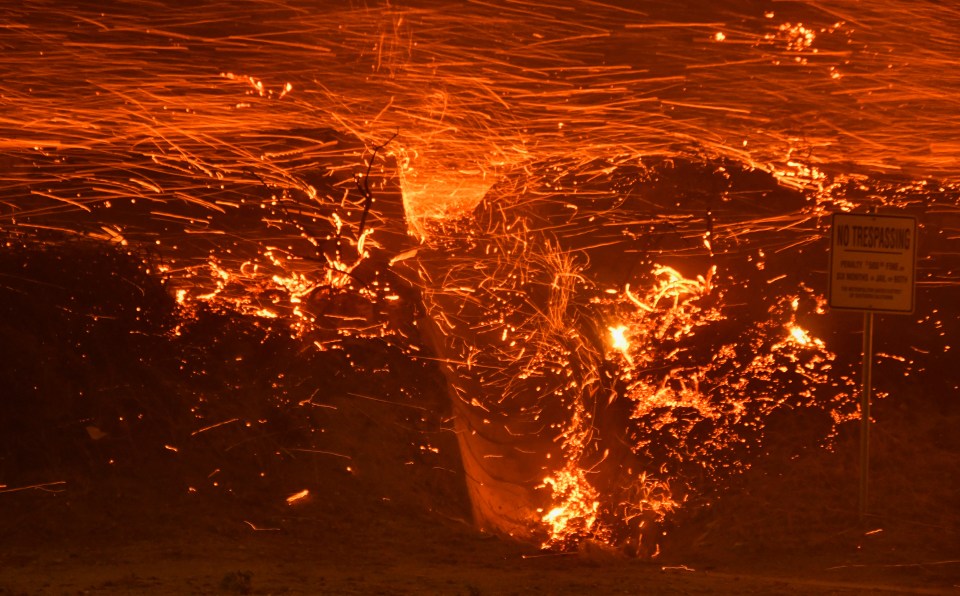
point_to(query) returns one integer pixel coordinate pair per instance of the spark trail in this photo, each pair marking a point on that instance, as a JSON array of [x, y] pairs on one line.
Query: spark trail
[[569, 171]]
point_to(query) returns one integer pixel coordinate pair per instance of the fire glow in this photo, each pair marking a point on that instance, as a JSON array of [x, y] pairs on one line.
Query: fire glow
[[326, 158]]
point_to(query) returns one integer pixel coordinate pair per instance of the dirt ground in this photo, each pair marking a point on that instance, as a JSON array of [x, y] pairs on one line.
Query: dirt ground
[[367, 530], [122, 539], [142, 543]]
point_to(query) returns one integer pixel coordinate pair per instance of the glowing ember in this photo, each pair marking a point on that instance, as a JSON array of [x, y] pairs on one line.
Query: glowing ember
[[618, 339], [603, 234], [575, 511], [297, 497]]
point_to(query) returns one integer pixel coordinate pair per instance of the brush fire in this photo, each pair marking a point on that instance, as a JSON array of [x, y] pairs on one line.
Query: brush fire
[[557, 272]]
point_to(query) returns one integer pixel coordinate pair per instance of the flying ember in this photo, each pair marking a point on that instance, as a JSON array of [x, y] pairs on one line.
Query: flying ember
[[602, 227]]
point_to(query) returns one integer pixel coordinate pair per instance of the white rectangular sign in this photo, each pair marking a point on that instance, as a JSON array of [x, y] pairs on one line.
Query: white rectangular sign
[[872, 262]]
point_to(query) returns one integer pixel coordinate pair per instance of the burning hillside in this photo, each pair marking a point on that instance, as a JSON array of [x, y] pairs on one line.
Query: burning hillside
[[559, 274]]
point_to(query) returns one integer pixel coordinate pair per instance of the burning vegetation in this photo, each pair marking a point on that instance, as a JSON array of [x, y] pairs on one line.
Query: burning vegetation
[[580, 287]]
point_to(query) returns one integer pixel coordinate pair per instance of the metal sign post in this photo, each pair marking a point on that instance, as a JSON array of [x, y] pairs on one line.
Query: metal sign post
[[872, 263], [865, 411]]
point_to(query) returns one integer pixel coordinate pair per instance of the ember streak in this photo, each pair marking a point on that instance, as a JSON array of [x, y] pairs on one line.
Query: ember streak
[[601, 206]]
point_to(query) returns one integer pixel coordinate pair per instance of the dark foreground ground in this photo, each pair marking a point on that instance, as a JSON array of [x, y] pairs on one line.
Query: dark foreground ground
[[202, 550], [146, 451], [139, 543]]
